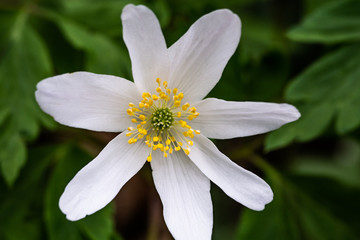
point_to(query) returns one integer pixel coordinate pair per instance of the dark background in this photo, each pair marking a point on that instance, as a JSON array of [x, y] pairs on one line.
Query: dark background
[[303, 52]]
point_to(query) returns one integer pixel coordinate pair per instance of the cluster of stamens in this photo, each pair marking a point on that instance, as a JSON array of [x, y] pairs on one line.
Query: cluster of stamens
[[161, 120]]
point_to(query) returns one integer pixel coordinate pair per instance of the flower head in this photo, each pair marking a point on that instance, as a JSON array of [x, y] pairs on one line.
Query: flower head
[[165, 121], [162, 119]]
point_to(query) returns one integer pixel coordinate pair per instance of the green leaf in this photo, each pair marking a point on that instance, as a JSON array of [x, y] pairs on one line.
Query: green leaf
[[102, 55], [13, 156], [281, 137], [329, 88], [21, 206], [22, 229], [313, 5], [338, 21], [293, 214], [162, 11], [25, 61], [88, 12], [258, 37], [343, 167], [97, 226], [334, 80]]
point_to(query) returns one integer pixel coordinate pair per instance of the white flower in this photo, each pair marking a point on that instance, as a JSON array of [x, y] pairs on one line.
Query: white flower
[[164, 120]]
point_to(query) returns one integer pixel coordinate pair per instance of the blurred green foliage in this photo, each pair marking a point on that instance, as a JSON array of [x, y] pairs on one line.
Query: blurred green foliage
[[303, 52]]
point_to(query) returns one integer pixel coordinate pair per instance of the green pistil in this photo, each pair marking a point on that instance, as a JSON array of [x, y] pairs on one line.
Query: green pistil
[[162, 119]]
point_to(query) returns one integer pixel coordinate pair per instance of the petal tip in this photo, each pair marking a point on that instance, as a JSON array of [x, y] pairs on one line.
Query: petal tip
[[260, 206], [231, 15], [128, 7], [71, 212], [264, 198], [131, 9], [226, 13], [73, 218], [294, 112]]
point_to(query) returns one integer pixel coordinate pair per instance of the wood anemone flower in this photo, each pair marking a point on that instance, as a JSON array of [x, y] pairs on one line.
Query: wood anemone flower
[[164, 120]]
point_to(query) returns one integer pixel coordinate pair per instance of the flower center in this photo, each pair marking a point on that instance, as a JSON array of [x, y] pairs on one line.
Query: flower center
[[161, 121]]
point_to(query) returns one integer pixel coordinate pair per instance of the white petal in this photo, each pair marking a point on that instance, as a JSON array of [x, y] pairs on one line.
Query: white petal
[[146, 44], [238, 183], [223, 119], [87, 100], [199, 57], [185, 193], [95, 185]]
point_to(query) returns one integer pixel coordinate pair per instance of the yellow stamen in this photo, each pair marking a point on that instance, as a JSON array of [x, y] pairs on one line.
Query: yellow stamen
[[130, 112], [182, 123], [146, 94], [193, 110], [185, 106], [143, 131], [161, 147], [158, 122]]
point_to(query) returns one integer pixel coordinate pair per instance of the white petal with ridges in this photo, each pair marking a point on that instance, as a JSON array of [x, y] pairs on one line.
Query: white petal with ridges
[[238, 183], [87, 100], [224, 119], [199, 57], [146, 44], [185, 193], [95, 185]]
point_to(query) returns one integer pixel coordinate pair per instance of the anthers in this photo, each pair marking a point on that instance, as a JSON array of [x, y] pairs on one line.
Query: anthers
[[160, 120]]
